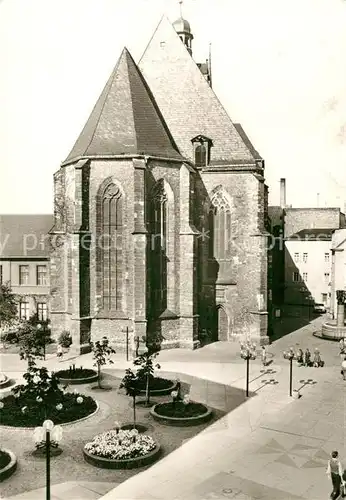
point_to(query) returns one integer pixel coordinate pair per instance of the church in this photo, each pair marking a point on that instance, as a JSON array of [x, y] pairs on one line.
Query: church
[[160, 211]]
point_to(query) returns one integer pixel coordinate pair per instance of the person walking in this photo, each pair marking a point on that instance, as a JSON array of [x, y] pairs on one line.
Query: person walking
[[343, 368], [335, 472], [59, 351], [342, 345], [264, 356], [307, 359], [300, 357], [317, 359]]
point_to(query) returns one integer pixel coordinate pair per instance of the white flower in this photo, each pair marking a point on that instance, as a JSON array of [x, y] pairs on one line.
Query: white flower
[[186, 399], [24, 409], [36, 379], [59, 407], [129, 445], [39, 399], [174, 394], [1, 405], [79, 400]]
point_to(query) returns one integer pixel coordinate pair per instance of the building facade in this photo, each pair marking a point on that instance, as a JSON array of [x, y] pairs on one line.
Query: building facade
[[160, 210], [24, 261], [338, 271]]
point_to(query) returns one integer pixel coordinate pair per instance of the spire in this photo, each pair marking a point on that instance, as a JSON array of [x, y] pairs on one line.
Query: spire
[[181, 8], [183, 28], [125, 119]]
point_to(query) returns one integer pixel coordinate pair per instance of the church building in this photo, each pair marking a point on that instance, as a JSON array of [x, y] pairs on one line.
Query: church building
[[160, 211]]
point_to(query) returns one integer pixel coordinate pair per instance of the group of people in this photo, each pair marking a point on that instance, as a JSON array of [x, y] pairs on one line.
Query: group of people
[[305, 358], [342, 345]]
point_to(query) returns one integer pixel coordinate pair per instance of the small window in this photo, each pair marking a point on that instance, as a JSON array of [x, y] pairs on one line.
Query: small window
[[326, 257], [24, 309], [324, 298], [42, 311], [162, 44], [295, 277], [305, 276], [296, 257], [41, 275], [326, 277], [23, 275], [305, 257], [200, 156], [202, 146]]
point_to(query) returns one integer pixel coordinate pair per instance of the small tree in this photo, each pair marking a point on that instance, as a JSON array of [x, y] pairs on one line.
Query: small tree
[[131, 384], [146, 362], [101, 355], [30, 343], [8, 306]]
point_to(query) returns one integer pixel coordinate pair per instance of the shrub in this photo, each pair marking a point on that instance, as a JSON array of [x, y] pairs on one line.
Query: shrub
[[65, 339]]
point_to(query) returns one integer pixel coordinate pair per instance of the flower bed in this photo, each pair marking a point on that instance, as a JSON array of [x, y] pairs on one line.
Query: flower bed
[[77, 376], [8, 464], [180, 414], [158, 386], [30, 412], [121, 449]]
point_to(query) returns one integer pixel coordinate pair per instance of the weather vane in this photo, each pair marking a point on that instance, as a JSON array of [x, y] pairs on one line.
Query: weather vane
[[181, 7]]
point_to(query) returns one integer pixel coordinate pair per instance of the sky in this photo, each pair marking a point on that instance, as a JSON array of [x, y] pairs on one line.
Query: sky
[[279, 68]]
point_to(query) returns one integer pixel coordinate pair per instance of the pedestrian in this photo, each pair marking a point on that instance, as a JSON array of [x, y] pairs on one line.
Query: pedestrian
[[317, 359], [343, 368], [342, 345], [59, 351], [307, 357], [264, 355], [335, 472], [300, 357]]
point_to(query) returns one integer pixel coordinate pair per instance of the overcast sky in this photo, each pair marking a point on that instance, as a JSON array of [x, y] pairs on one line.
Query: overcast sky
[[279, 68]]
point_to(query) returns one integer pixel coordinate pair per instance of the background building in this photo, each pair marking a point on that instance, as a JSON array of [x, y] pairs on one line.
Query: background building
[[338, 271], [24, 261]]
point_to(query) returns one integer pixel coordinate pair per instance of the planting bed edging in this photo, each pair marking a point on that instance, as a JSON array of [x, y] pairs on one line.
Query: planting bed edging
[[161, 392], [77, 381], [9, 469], [129, 463], [181, 421]]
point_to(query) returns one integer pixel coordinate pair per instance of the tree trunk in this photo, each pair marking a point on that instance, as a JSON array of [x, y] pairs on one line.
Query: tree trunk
[[99, 375], [340, 317], [147, 391], [134, 412]]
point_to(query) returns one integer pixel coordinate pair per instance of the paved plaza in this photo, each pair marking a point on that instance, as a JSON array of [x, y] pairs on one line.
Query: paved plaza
[[268, 447]]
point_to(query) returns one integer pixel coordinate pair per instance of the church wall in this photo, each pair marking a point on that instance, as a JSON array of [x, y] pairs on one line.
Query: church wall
[[241, 287]]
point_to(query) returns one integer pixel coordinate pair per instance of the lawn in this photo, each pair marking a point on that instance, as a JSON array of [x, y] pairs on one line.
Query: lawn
[[114, 406]]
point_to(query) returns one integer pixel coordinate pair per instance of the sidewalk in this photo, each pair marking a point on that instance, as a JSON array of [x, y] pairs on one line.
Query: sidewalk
[[270, 447]]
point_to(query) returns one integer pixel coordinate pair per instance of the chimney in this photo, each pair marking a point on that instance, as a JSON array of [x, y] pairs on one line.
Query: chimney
[[282, 193]]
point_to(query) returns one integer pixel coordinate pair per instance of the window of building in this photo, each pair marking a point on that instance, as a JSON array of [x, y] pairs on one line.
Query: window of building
[[202, 147], [220, 222], [305, 257], [0, 275], [296, 257], [295, 276], [110, 259], [42, 311], [326, 257], [23, 309], [41, 275], [326, 277], [24, 275], [305, 276], [324, 298]]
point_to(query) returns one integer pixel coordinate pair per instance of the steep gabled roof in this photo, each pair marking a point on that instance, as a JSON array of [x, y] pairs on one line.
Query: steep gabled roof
[[25, 235], [188, 104], [125, 119], [312, 234]]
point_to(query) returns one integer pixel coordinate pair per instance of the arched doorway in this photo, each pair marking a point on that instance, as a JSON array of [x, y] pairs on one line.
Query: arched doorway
[[222, 324]]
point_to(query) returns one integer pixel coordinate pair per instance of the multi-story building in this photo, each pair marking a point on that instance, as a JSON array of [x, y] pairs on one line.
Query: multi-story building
[[24, 261], [338, 270]]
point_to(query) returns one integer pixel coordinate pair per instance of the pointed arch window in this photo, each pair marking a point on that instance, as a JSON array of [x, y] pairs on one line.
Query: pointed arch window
[[110, 247], [202, 146], [220, 222]]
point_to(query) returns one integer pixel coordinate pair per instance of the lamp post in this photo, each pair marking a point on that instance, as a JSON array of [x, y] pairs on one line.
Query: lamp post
[[247, 352], [290, 356], [47, 434], [127, 330]]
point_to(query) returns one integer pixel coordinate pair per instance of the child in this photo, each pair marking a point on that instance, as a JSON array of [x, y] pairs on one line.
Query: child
[[264, 356], [59, 351]]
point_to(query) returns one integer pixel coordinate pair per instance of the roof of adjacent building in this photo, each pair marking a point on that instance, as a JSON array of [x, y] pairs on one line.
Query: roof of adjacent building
[[313, 234], [25, 235], [186, 100], [125, 120]]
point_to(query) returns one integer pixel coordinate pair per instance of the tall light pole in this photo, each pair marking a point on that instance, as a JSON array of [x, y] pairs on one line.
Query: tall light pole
[[47, 434], [247, 352], [290, 356]]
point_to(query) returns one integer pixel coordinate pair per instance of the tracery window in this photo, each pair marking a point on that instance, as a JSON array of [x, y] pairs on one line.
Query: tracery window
[[110, 247], [202, 146], [220, 222]]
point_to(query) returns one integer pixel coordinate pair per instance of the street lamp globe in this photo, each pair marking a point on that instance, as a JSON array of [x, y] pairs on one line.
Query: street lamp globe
[[48, 425]]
